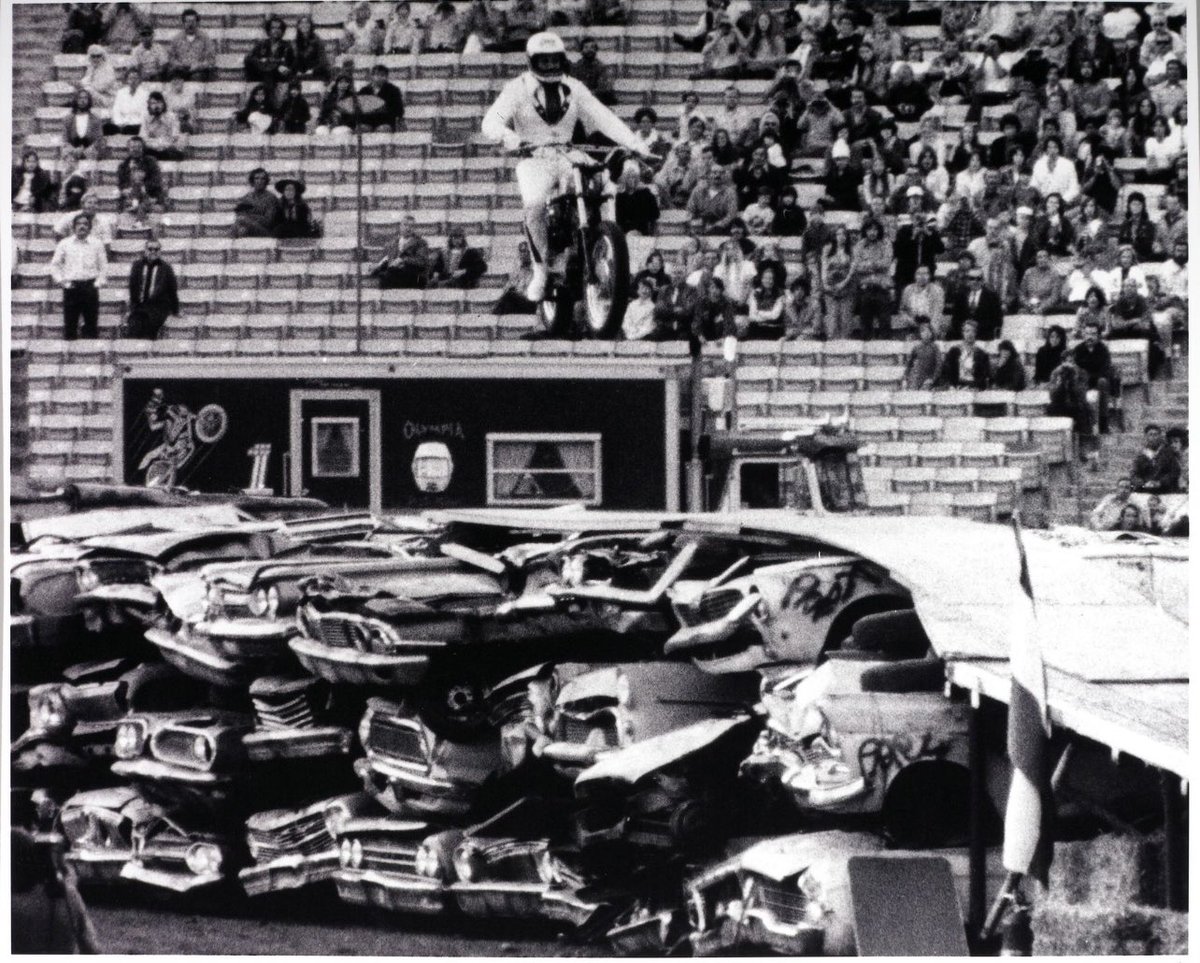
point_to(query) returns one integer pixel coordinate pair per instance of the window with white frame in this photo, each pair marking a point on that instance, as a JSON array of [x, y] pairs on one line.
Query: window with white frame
[[543, 469], [335, 448]]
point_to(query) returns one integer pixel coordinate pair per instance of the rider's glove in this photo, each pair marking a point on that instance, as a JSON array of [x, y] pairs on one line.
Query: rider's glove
[[512, 140]]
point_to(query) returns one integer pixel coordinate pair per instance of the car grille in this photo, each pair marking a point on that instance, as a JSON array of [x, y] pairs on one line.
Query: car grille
[[305, 836], [384, 855], [514, 862], [341, 631], [392, 737], [283, 712], [716, 604], [167, 846], [120, 571], [786, 903]]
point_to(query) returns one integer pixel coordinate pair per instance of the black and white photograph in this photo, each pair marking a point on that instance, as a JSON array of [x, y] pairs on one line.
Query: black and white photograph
[[597, 478]]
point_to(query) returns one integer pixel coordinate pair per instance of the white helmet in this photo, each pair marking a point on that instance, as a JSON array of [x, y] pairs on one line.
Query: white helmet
[[547, 56]]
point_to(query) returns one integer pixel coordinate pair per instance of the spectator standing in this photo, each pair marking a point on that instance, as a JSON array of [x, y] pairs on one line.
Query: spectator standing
[[193, 53], [978, 305], [842, 179], [737, 274], [32, 187], [310, 59], [459, 265], [1107, 512], [160, 131], [1156, 468], [965, 365], [100, 79], [80, 267], [512, 299], [838, 283], [153, 293], [917, 244], [922, 299], [362, 36], [1068, 398], [873, 273], [676, 302], [294, 218], [593, 72], [1092, 357], [150, 58], [403, 33], [444, 29], [257, 211], [405, 263], [1010, 373], [270, 61], [924, 359], [391, 115]]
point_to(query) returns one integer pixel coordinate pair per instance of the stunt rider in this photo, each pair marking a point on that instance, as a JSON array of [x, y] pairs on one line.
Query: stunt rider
[[541, 107]]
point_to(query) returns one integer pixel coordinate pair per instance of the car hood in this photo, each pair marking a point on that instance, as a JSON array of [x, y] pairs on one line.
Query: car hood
[[642, 758], [785, 856]]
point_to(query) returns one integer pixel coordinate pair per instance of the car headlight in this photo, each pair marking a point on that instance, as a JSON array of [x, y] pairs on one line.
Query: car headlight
[[427, 862], [214, 598], [344, 854], [466, 861], [623, 690], [364, 727], [130, 738], [383, 639], [815, 906], [203, 859], [273, 602], [48, 711], [257, 603], [547, 869], [573, 570], [202, 748], [356, 853], [336, 817], [86, 577]]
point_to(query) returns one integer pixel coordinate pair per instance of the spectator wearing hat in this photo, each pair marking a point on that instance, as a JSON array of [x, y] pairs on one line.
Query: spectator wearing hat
[[192, 52], [458, 266], [979, 304], [160, 130], [153, 293], [842, 179], [591, 71], [272, 59], [80, 267], [32, 186], [150, 58], [294, 218], [257, 211], [713, 203], [100, 79], [965, 365], [646, 130], [917, 244], [391, 114], [405, 262]]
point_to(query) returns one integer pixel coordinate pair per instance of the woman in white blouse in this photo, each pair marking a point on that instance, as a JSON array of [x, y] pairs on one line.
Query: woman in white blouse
[[1162, 147], [99, 79], [639, 323], [737, 273], [970, 182], [129, 105], [933, 174]]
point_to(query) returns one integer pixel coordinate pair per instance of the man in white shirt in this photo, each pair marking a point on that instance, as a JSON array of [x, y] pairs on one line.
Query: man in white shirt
[[1172, 275], [1112, 283], [129, 105], [79, 266], [1054, 174], [102, 227], [733, 115], [1158, 35]]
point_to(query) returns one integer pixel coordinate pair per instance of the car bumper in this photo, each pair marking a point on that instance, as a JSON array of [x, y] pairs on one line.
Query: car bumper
[[177, 881], [398, 788], [758, 929], [156, 771], [271, 744], [359, 668], [97, 867], [500, 900], [288, 872], [400, 894], [247, 638], [198, 658], [649, 936]]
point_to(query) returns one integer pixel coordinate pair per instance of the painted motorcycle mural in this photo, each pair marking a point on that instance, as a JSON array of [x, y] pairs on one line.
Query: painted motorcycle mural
[[181, 433]]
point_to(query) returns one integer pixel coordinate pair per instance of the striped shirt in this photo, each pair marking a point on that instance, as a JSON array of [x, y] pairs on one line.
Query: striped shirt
[[76, 260]]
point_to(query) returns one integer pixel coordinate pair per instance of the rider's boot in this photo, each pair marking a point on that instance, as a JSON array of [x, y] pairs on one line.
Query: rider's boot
[[537, 284]]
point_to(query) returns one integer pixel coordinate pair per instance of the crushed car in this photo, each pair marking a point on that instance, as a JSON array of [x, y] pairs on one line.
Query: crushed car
[[99, 827]]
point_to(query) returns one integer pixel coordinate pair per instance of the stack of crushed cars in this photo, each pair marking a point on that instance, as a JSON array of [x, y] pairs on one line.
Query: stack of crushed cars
[[670, 737]]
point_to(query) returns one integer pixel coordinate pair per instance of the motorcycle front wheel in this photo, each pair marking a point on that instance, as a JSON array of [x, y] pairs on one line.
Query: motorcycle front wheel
[[606, 285]]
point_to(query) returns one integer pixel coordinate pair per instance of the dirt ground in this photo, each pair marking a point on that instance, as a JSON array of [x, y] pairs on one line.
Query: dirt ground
[[317, 925]]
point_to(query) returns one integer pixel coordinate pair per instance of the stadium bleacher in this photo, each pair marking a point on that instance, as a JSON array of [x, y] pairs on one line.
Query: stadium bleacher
[[279, 299]]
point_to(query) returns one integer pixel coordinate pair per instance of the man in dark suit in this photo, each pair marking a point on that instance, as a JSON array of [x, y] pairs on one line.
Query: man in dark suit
[[966, 365], [917, 244], [270, 61], [980, 304], [392, 114], [153, 293], [675, 303]]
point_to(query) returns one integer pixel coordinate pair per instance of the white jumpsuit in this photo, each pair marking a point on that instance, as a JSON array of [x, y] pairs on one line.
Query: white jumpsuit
[[514, 119]]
